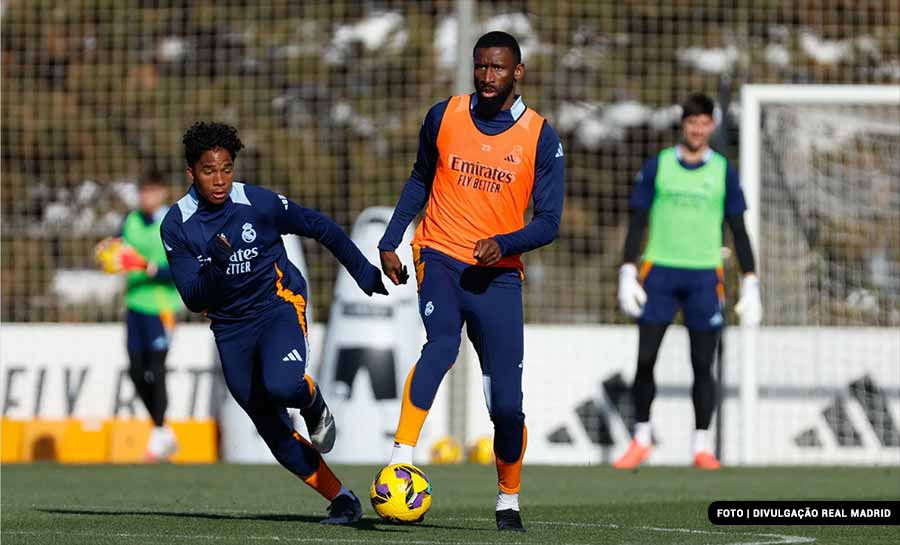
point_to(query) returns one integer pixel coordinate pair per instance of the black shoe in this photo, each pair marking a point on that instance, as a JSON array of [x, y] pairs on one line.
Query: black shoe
[[344, 509], [509, 519]]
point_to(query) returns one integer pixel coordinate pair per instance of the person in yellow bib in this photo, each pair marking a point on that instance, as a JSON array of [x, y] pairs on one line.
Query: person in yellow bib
[[684, 194], [151, 302]]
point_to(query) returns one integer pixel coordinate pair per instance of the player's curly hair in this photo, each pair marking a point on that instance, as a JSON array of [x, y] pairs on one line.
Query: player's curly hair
[[204, 136]]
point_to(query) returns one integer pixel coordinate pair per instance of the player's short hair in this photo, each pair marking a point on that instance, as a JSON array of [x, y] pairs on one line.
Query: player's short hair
[[204, 136], [697, 104], [152, 178], [498, 38]]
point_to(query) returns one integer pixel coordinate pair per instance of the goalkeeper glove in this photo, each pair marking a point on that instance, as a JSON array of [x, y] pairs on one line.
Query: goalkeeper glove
[[749, 306], [631, 295]]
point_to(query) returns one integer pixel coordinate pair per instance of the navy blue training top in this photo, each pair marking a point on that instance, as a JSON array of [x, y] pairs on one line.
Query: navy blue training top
[[258, 274], [547, 193]]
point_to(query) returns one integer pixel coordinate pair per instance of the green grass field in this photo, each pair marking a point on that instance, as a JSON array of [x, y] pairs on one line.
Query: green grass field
[[47, 503]]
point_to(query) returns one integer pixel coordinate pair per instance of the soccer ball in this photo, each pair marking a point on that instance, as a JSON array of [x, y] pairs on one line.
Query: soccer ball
[[481, 451], [446, 450], [401, 493], [107, 255]]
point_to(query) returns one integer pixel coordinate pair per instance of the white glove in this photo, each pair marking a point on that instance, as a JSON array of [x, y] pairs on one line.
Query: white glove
[[749, 306], [631, 295]]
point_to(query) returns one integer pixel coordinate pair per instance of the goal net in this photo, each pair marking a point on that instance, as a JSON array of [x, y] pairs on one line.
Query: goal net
[[822, 169]]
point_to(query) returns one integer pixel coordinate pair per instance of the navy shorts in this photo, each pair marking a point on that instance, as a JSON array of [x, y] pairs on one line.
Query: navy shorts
[[699, 293], [148, 332], [266, 357]]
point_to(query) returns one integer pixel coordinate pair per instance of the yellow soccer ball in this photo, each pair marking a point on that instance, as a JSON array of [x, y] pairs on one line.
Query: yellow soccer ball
[[481, 451], [446, 450], [401, 493], [107, 255]]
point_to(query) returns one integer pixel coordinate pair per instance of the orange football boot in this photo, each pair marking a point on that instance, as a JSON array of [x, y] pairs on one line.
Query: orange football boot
[[633, 457], [705, 460]]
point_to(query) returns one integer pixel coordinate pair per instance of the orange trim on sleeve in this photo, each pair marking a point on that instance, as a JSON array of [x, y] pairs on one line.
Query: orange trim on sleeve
[[295, 298], [412, 418], [509, 475]]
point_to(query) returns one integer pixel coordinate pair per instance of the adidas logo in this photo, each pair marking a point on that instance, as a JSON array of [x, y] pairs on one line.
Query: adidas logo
[[284, 201], [293, 355], [845, 426], [595, 417], [515, 156], [845, 429]]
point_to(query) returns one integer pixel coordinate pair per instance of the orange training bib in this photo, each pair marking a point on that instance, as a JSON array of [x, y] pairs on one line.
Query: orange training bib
[[482, 184]]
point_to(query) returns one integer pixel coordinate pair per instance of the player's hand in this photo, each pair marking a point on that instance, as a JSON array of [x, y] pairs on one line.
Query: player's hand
[[371, 282], [220, 250], [393, 268], [749, 306], [631, 295], [487, 252]]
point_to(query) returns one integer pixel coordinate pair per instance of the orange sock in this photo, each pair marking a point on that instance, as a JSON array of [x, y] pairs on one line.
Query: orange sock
[[412, 418], [322, 480], [509, 475]]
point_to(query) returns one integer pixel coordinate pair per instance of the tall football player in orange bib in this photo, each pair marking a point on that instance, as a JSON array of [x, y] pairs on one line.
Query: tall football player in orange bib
[[482, 158]]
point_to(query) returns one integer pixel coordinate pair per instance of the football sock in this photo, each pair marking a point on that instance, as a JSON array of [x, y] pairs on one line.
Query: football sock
[[148, 373], [703, 391], [643, 434], [701, 441], [509, 474], [412, 418], [650, 338], [158, 401], [401, 454], [507, 501], [324, 482]]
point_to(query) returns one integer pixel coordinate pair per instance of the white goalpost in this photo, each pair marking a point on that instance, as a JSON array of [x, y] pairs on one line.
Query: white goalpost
[[819, 382]]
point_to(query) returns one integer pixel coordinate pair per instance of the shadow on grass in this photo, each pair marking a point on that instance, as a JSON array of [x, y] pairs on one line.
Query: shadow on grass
[[368, 524]]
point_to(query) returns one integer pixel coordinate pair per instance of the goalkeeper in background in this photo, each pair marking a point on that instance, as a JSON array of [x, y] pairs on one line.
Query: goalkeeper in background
[[684, 194], [151, 301]]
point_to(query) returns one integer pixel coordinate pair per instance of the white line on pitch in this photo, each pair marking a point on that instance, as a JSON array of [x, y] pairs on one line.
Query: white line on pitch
[[243, 538], [779, 539]]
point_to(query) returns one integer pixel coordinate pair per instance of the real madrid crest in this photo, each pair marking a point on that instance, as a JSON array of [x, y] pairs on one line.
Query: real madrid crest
[[248, 234]]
